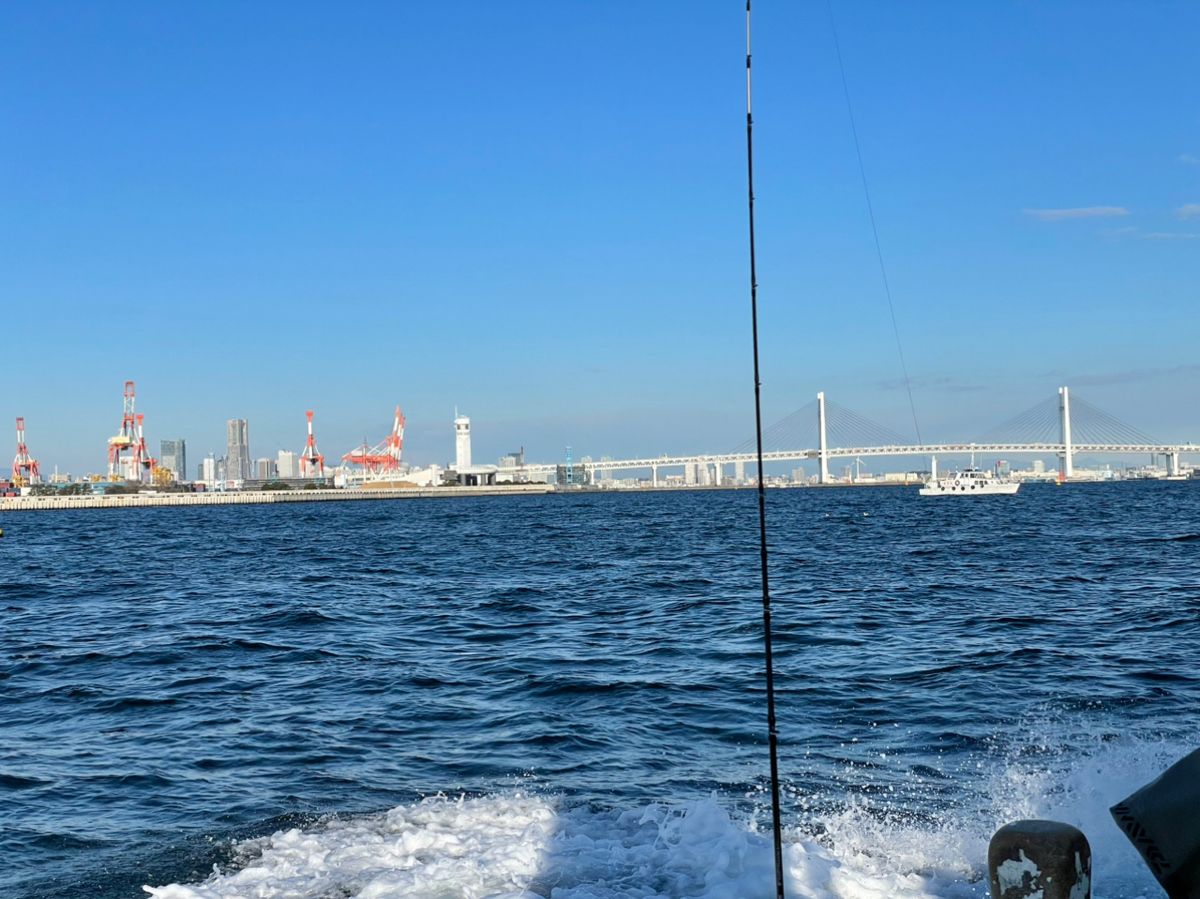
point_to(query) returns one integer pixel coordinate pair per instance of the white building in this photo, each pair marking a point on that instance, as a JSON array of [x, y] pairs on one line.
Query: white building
[[286, 464], [465, 473], [208, 470], [462, 442]]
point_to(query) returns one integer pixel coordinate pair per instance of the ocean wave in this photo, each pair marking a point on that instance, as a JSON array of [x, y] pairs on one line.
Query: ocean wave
[[867, 845], [526, 847]]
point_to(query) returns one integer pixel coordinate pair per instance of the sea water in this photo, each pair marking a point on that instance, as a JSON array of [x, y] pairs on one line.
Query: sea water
[[562, 696]]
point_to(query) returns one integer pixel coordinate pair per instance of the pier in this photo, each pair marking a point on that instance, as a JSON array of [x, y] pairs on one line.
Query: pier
[[256, 497]]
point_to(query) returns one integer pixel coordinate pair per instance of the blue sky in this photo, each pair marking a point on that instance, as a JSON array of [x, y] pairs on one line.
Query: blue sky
[[535, 211]]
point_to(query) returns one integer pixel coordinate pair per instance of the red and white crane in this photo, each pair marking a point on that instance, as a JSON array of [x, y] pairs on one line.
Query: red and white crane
[[24, 468], [123, 445], [310, 459], [128, 457], [146, 462], [384, 458]]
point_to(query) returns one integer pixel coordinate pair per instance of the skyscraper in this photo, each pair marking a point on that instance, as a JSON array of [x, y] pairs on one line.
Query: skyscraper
[[237, 450], [172, 454], [286, 466]]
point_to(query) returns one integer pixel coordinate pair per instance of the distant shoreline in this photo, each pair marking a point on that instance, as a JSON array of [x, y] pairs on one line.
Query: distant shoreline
[[255, 497]]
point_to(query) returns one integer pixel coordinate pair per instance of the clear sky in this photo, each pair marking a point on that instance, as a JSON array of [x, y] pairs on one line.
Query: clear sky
[[536, 211]]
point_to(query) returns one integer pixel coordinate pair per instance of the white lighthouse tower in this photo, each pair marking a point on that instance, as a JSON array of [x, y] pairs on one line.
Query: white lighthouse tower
[[462, 442]]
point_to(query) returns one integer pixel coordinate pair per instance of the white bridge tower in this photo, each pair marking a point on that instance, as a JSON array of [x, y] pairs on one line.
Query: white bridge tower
[[1067, 469]]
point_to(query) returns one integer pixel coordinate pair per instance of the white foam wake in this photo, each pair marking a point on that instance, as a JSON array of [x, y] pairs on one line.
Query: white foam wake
[[524, 847], [528, 846]]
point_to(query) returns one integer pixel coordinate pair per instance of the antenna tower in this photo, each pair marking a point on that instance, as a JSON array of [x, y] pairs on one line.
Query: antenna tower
[[310, 458], [24, 468]]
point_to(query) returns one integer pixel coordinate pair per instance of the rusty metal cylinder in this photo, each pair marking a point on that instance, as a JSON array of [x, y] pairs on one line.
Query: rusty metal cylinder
[[1039, 860]]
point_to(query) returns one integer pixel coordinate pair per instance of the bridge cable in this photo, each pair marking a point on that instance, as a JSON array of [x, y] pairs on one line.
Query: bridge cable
[[862, 171], [772, 731]]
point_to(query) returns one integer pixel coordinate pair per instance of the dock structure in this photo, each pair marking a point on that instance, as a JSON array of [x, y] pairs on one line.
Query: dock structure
[[256, 497]]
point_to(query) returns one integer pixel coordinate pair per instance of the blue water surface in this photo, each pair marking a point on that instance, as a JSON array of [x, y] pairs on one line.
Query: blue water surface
[[173, 680]]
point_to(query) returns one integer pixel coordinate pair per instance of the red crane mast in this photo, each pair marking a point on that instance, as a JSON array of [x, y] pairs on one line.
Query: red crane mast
[[310, 458], [24, 468]]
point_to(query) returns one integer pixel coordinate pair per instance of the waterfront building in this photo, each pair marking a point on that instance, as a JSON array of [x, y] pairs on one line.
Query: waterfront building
[[286, 465], [571, 475], [208, 470], [264, 469], [607, 476], [463, 472], [172, 454], [510, 465], [462, 441], [237, 449]]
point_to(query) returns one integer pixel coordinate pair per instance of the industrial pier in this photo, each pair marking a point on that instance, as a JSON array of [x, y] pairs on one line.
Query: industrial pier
[[256, 497]]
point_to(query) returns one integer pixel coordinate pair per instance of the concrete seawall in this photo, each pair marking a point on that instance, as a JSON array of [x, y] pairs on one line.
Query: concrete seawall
[[258, 497]]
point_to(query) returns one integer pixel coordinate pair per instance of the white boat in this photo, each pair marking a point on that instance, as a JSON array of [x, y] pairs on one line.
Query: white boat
[[968, 482]]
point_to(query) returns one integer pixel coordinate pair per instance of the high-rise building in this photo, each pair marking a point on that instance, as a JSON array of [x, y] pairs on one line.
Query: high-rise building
[[208, 470], [264, 469], [237, 455], [172, 454], [286, 465], [462, 442]]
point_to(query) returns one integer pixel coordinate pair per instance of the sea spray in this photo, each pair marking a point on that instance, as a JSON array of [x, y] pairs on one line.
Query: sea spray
[[528, 845]]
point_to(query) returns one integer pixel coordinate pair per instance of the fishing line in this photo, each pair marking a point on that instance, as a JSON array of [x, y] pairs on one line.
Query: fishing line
[[772, 731], [862, 172]]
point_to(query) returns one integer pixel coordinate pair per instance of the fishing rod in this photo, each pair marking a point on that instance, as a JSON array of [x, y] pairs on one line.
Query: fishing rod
[[772, 731]]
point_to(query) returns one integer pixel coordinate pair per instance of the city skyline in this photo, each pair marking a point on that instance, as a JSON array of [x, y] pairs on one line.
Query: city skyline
[[240, 462], [373, 195]]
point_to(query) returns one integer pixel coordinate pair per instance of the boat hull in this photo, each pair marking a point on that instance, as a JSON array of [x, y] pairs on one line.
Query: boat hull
[[1006, 489]]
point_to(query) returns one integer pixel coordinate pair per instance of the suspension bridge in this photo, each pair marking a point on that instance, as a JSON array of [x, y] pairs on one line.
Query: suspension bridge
[[822, 430]]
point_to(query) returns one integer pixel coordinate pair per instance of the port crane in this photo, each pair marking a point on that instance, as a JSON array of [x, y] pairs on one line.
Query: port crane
[[128, 456], [312, 463], [384, 458], [25, 469]]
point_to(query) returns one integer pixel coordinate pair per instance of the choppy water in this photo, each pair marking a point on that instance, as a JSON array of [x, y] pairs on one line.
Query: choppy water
[[561, 696]]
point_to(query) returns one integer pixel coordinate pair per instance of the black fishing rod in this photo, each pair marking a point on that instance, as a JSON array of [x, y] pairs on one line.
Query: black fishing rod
[[772, 731]]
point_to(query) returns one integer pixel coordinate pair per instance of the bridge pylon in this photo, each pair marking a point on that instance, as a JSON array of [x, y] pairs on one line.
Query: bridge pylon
[[823, 442], [1064, 407]]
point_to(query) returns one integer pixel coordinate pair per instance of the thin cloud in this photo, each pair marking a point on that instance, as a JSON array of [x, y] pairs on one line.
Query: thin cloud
[[1129, 376], [1078, 212], [1124, 231], [1188, 210], [1170, 235], [948, 384], [1189, 159]]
